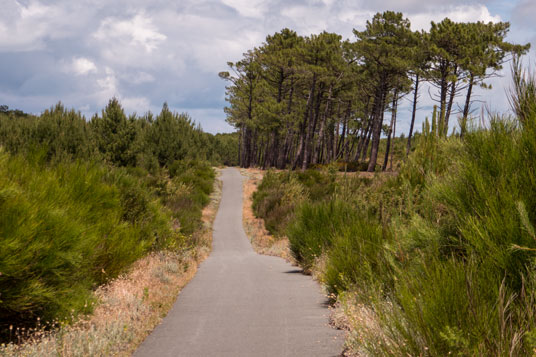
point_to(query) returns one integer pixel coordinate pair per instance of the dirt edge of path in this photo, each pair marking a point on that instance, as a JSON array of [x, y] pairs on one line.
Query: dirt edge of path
[[261, 240]]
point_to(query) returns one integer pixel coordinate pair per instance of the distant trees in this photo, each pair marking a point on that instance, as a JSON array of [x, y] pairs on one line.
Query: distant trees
[[297, 100], [142, 141]]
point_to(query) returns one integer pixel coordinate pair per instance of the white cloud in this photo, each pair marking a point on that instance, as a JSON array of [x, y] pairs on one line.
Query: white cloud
[[132, 42], [463, 13], [83, 66], [135, 104], [107, 86], [138, 31], [28, 26], [138, 77]]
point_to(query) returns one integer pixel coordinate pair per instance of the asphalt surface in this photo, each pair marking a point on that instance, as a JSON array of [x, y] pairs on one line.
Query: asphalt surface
[[244, 304]]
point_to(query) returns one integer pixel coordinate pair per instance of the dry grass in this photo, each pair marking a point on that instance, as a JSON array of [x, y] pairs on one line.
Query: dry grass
[[261, 240], [129, 307], [364, 332]]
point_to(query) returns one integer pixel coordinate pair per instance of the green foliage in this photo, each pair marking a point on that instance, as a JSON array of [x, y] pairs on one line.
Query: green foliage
[[302, 101], [81, 201], [358, 257], [226, 147], [195, 179], [141, 141], [316, 227], [65, 229], [115, 135], [64, 133], [279, 195]]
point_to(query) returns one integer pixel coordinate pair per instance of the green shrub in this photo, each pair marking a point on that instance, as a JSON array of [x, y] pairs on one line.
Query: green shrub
[[194, 180], [66, 228], [469, 288], [280, 194], [358, 257], [315, 228]]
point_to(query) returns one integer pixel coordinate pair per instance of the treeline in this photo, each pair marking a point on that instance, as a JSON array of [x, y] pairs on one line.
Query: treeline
[[81, 200], [302, 100], [146, 141], [436, 261]]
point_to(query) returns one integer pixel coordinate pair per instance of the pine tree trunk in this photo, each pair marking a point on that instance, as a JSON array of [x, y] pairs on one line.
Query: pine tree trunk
[[316, 115], [309, 124], [342, 141], [364, 132], [449, 107], [240, 145], [320, 148], [413, 113], [444, 87], [394, 132], [336, 134], [468, 97], [367, 141], [284, 152], [377, 126], [361, 142], [388, 146]]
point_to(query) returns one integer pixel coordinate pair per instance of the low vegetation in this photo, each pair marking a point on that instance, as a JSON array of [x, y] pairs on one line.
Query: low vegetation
[[437, 260], [82, 201]]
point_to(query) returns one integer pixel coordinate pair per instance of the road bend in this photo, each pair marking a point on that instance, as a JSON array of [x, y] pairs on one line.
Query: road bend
[[244, 304]]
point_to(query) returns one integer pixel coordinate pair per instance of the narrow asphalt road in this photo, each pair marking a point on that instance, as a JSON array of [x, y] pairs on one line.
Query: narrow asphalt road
[[244, 304]]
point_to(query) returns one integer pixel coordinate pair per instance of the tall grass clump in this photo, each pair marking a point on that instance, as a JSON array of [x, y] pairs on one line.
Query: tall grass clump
[[65, 229], [358, 259]]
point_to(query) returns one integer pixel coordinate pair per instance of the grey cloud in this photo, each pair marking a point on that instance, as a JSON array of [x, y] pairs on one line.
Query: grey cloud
[[524, 12]]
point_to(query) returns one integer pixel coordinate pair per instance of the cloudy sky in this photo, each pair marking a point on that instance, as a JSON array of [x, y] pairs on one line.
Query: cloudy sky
[[83, 52]]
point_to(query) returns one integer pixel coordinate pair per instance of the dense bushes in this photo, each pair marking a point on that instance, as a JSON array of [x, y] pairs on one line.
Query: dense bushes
[[473, 287], [278, 195], [80, 201], [316, 227], [66, 229], [194, 180], [357, 257], [444, 253]]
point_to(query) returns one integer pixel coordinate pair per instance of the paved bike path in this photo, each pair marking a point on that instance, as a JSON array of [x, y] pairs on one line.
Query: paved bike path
[[244, 304]]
